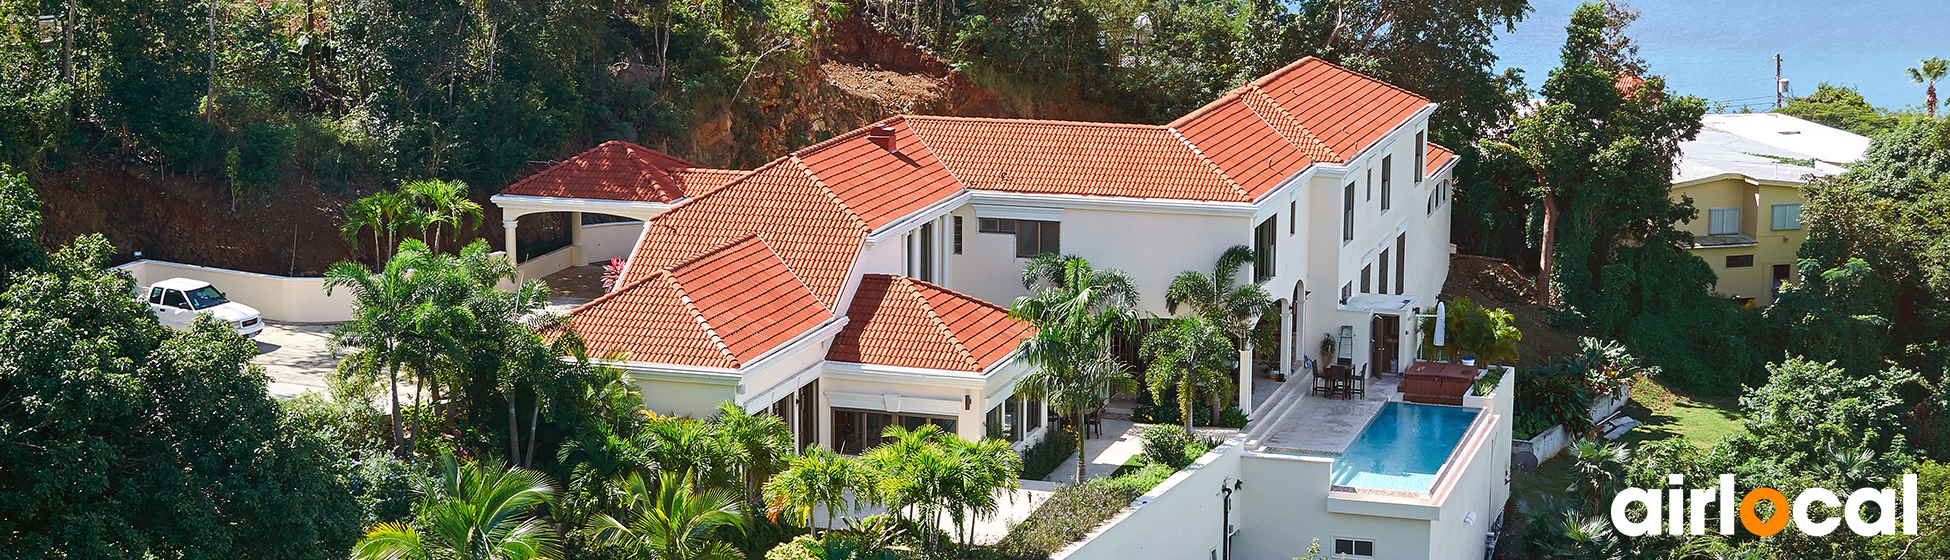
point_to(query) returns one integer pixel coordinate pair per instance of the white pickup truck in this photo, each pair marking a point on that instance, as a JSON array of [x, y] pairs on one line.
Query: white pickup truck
[[177, 302]]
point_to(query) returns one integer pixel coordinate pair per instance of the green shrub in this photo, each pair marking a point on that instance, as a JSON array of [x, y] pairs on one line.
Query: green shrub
[[1166, 444], [1064, 518], [803, 547], [1046, 456], [1137, 483], [1167, 413]]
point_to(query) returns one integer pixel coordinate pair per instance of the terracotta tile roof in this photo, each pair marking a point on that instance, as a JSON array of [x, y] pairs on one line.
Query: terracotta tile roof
[[1247, 148], [900, 321], [810, 228], [614, 170], [881, 186], [723, 308], [1058, 157], [696, 180], [1438, 157], [1344, 109]]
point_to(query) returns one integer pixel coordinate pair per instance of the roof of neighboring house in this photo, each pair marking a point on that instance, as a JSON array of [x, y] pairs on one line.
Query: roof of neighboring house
[[1438, 157], [722, 308], [812, 211], [1767, 147], [614, 170], [900, 321]]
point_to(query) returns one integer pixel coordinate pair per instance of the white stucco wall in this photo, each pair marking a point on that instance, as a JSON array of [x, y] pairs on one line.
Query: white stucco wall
[[278, 298], [1181, 518], [614, 240], [1153, 247]]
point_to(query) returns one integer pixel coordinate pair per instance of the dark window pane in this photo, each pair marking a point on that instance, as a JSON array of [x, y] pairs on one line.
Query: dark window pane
[[1401, 263], [1052, 238], [1026, 240], [1740, 261], [957, 235], [1364, 548], [1343, 546], [846, 432], [1367, 276]]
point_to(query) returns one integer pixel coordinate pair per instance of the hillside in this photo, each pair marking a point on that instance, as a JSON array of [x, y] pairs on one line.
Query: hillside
[[1493, 283]]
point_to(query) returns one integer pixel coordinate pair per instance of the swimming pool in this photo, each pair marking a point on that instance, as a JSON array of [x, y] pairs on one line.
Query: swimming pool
[[1403, 447]]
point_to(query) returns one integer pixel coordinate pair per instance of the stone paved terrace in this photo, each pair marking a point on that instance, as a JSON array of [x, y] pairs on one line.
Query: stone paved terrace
[[1325, 426]]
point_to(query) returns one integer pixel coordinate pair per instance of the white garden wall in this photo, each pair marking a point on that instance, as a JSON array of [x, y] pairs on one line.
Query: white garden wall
[[279, 298]]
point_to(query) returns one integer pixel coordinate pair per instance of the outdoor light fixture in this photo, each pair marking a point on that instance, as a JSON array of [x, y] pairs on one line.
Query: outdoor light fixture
[[968, 402]]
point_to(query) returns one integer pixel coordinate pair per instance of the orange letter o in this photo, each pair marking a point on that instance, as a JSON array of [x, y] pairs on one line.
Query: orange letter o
[[1751, 520]]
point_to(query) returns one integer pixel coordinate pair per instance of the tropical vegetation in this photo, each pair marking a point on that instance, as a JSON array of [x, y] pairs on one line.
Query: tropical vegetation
[[1076, 310]]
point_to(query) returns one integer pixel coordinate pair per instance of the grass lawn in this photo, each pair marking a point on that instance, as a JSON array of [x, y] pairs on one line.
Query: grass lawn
[[1669, 414]]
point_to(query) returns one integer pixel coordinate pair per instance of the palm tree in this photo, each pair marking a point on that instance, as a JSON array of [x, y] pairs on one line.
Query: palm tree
[[388, 308], [987, 468], [442, 203], [1075, 310], [1232, 309], [910, 472], [387, 214], [680, 444], [817, 478], [1927, 73], [759, 445], [472, 512], [1188, 353], [675, 520]]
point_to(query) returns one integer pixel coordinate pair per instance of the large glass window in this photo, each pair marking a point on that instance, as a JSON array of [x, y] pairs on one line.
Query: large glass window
[[1263, 251], [855, 431], [1787, 216], [1032, 237], [1723, 221]]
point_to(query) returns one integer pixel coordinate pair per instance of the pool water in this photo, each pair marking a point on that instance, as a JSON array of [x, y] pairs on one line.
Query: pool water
[[1403, 447]]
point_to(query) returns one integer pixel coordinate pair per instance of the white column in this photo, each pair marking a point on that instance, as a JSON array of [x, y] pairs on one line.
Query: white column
[[575, 242], [1286, 340], [1245, 377], [508, 245]]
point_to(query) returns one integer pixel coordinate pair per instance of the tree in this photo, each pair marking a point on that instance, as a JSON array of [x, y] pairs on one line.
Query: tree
[[1190, 355], [674, 520], [1841, 107], [1075, 310], [442, 203], [471, 512], [389, 308], [387, 214], [128, 441], [1231, 309], [759, 445], [816, 478], [1927, 72], [20, 224]]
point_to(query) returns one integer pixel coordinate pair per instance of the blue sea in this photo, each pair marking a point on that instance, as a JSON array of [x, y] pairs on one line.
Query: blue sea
[[1723, 51]]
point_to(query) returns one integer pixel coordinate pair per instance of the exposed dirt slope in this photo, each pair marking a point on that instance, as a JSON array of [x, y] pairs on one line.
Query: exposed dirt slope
[[1495, 284]]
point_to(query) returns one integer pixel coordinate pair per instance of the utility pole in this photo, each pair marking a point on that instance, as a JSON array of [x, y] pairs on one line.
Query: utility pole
[[1779, 92]]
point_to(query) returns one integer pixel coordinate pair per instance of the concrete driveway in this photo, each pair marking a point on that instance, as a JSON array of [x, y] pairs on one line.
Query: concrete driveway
[[296, 356]]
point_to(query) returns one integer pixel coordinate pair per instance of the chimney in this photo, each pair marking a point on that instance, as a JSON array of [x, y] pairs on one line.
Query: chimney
[[883, 136]]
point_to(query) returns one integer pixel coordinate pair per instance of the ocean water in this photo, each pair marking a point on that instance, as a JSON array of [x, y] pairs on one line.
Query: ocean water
[[1403, 447], [1723, 51]]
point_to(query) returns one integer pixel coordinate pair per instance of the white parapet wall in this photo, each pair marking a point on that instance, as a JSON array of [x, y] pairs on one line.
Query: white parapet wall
[[279, 298], [1182, 518]]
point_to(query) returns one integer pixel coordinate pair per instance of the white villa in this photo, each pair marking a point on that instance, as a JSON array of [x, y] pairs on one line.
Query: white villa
[[863, 281]]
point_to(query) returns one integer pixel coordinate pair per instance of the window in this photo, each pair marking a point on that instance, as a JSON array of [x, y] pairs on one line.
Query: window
[[1782, 275], [908, 249], [1002, 422], [1369, 186], [155, 295], [927, 252], [1366, 274], [1723, 221], [1387, 171], [809, 415], [1354, 547], [855, 431], [1740, 261], [1384, 272], [1347, 291], [1421, 155], [1401, 263], [1432, 195], [1032, 413], [1787, 216], [957, 235], [174, 298], [1347, 213], [1032, 237], [1292, 217], [1263, 249]]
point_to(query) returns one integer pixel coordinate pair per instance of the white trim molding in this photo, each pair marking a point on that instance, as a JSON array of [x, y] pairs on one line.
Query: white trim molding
[[516, 205]]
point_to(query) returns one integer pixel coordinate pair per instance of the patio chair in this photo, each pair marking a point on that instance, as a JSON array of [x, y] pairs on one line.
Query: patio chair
[[1093, 423], [1358, 385]]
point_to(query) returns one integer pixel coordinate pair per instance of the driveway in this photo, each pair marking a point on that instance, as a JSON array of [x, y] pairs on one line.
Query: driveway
[[296, 356]]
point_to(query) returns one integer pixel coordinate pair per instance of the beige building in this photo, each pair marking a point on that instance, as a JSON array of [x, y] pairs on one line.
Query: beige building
[[1744, 173]]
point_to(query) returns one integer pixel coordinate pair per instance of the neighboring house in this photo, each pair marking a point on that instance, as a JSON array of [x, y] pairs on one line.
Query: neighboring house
[[863, 281], [1744, 173]]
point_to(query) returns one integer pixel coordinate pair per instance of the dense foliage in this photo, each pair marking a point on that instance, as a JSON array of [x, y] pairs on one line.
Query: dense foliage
[[124, 440], [1844, 108]]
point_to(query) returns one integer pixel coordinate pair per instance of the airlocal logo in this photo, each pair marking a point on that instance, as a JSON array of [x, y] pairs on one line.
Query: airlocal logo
[[1682, 516]]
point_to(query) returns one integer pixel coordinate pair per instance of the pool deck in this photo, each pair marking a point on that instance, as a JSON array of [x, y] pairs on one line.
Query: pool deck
[[1318, 425]]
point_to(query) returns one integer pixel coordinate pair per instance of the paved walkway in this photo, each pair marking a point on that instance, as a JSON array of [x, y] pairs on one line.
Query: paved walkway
[[297, 357]]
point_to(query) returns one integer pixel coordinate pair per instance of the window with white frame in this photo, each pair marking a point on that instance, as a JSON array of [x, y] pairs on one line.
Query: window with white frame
[[1354, 547], [1787, 216], [1347, 213], [1387, 173], [1032, 237], [1723, 221], [1421, 155]]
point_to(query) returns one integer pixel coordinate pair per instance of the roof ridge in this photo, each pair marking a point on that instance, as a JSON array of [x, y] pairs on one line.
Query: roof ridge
[[1209, 164], [938, 159], [691, 198], [953, 292], [841, 137], [835, 197], [1307, 135], [1268, 78], [1030, 121], [684, 296], [940, 325]]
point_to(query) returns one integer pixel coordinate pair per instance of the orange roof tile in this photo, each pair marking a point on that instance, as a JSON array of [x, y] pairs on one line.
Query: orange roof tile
[[1247, 148], [1059, 157], [881, 186], [723, 308], [696, 180], [900, 321], [1347, 111], [613, 170], [1438, 157], [810, 228]]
